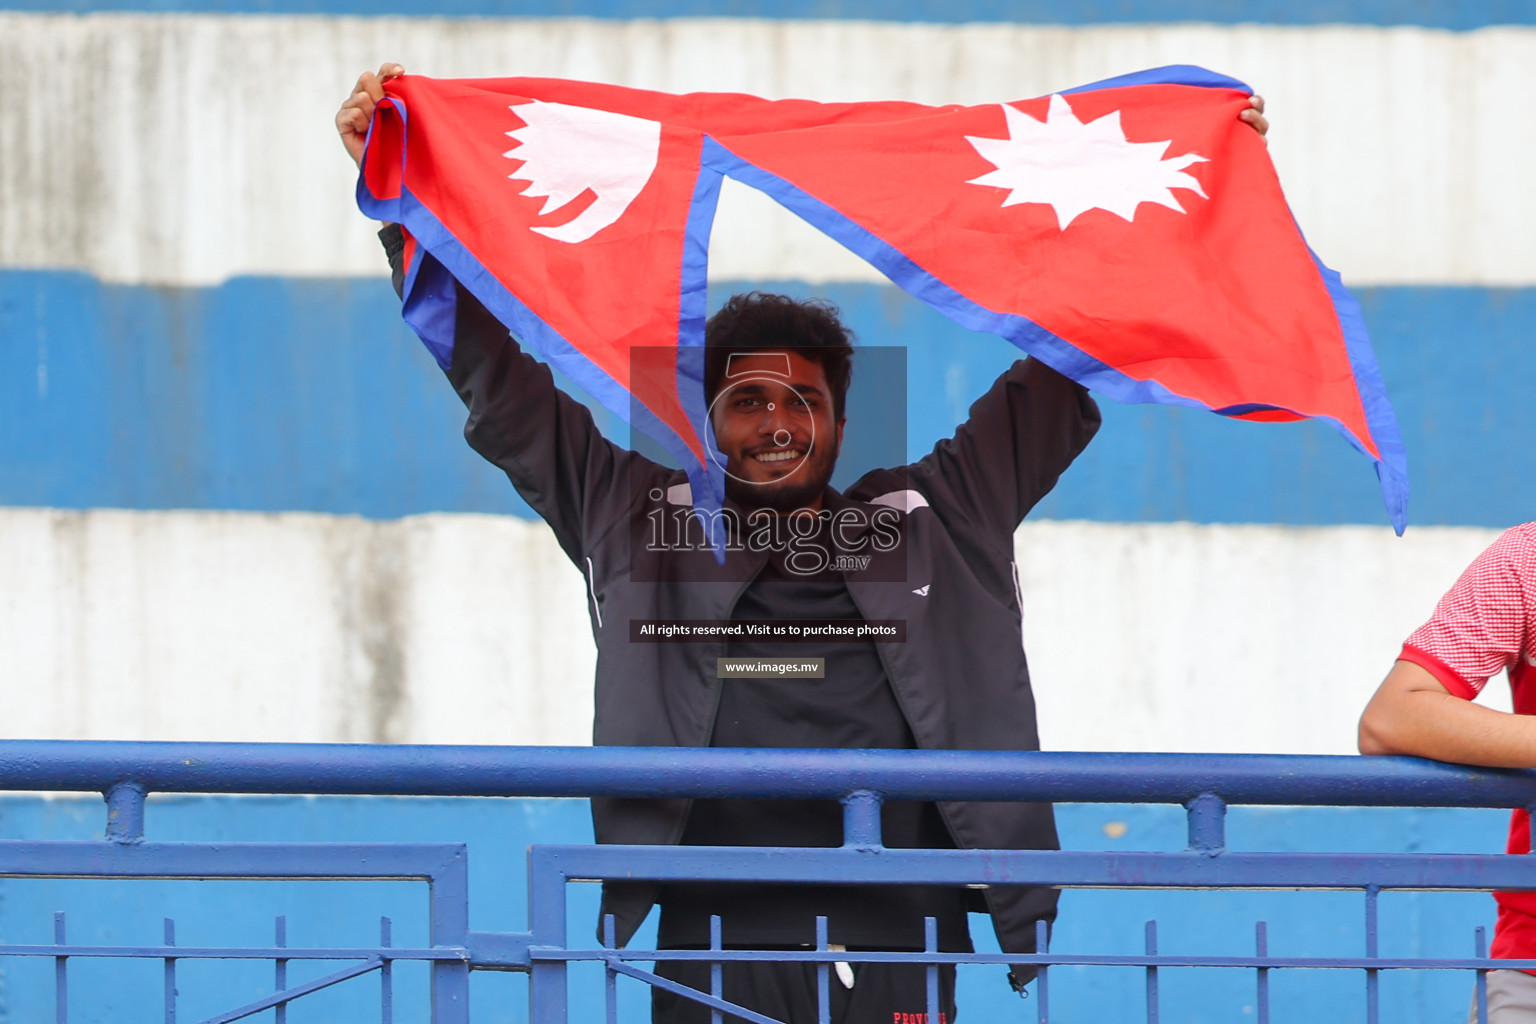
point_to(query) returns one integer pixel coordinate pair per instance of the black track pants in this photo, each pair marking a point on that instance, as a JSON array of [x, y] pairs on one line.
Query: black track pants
[[881, 994]]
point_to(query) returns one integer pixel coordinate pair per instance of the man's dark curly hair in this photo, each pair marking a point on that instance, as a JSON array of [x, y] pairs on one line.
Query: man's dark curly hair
[[759, 321]]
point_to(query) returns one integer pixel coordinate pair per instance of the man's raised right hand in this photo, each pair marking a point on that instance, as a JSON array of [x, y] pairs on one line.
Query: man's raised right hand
[[355, 115]]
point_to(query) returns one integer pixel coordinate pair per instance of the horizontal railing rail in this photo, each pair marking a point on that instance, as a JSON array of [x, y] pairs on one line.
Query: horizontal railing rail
[[1204, 785], [348, 769]]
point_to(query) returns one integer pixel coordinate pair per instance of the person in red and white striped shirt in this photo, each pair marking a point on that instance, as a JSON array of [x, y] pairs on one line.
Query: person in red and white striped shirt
[[1485, 624]]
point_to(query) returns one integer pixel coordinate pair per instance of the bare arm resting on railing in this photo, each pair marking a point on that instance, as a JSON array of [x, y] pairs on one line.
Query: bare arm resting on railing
[[1413, 713], [1483, 625]]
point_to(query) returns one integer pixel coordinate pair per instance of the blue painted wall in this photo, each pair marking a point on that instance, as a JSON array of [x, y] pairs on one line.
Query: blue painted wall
[[269, 394], [498, 832]]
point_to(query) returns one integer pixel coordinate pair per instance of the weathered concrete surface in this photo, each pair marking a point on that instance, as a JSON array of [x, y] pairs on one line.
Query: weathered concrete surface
[[473, 629], [184, 149], [1224, 638], [200, 625]]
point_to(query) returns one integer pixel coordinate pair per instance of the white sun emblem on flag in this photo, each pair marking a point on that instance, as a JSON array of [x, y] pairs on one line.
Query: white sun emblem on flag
[[1075, 167]]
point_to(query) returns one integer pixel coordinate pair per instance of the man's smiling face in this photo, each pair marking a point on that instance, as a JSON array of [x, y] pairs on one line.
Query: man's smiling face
[[774, 423]]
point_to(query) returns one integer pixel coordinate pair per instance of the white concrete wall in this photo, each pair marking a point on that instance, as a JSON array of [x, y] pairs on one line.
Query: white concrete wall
[[473, 629], [1224, 638], [225, 626], [180, 150], [183, 149]]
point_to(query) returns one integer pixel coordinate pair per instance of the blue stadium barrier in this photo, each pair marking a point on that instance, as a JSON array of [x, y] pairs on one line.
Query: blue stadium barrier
[[1205, 785]]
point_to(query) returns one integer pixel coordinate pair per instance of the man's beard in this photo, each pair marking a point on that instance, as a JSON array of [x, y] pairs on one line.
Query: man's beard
[[796, 491]]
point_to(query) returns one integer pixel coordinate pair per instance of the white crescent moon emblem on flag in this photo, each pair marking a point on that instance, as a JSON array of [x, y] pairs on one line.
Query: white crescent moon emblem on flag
[[568, 150]]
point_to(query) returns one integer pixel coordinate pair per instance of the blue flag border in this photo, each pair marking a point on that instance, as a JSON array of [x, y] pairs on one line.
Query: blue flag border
[[430, 303], [429, 309], [1061, 354]]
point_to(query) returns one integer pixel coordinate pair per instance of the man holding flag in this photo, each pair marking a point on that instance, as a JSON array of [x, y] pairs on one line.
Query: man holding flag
[[934, 540]]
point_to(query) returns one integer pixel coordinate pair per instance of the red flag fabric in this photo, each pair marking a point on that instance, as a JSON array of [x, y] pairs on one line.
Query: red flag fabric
[[1130, 233]]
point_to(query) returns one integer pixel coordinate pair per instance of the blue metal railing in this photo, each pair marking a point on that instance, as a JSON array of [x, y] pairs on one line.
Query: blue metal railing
[[1204, 785]]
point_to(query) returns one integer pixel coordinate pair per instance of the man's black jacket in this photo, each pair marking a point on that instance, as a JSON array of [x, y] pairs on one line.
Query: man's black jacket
[[960, 677]]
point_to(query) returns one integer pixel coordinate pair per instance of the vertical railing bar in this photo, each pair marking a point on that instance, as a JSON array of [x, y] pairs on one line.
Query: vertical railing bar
[[1206, 820], [1261, 947], [1480, 945], [386, 974], [125, 812], [823, 981], [1152, 1009], [610, 976], [861, 819], [931, 945], [448, 924], [716, 974], [280, 967], [547, 1000], [1042, 992], [60, 973], [1372, 1008], [170, 973]]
